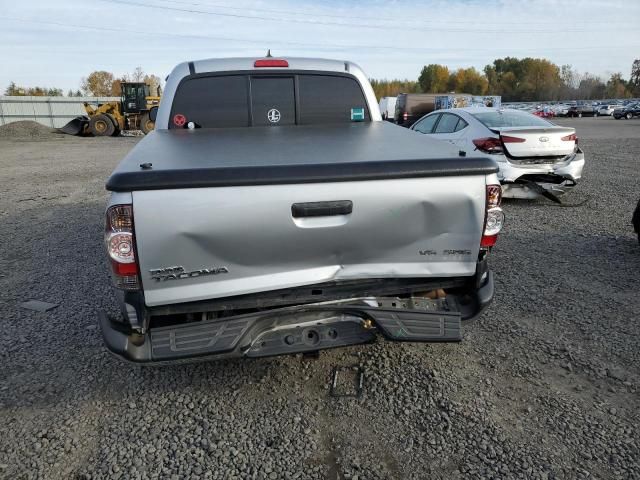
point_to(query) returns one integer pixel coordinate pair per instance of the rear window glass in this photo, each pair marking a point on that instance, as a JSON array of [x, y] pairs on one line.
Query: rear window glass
[[212, 102], [326, 99], [508, 118], [258, 100]]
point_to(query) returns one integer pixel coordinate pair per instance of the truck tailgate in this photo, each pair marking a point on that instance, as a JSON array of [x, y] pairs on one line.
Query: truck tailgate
[[202, 243]]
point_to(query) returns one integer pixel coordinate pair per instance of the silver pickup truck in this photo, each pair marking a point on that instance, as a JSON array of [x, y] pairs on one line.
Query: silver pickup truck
[[273, 212]]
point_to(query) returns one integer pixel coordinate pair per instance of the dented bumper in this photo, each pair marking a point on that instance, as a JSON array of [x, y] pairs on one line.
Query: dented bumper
[[556, 178], [300, 329]]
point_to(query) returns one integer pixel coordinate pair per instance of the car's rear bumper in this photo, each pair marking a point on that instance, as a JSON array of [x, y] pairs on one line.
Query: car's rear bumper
[[299, 329], [556, 178]]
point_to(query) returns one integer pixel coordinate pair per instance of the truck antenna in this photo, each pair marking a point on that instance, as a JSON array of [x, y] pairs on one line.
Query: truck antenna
[[269, 53]]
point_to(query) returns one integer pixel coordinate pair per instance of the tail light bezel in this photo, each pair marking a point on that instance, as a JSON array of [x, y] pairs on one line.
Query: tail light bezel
[[119, 224], [492, 207], [490, 145]]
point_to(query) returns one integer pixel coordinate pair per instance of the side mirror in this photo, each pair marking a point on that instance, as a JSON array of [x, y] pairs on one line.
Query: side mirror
[[153, 113]]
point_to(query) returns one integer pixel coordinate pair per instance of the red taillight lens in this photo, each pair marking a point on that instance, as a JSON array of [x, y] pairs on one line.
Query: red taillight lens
[[271, 62], [488, 145], [493, 217], [570, 138], [120, 242], [508, 139]]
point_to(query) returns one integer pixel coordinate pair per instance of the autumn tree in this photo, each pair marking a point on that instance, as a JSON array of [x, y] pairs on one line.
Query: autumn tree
[[434, 78], [98, 84], [468, 80], [155, 84], [617, 87], [391, 88]]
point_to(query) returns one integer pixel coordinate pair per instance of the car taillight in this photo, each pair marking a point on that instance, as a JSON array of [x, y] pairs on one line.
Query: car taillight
[[270, 62], [493, 217], [119, 238], [405, 116], [570, 138], [488, 144]]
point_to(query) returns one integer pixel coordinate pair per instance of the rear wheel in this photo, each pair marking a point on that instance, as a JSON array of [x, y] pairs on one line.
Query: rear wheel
[[116, 127], [629, 116], [101, 126], [580, 115], [146, 124]]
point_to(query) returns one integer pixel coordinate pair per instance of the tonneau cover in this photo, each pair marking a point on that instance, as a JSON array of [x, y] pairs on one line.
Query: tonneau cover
[[287, 154]]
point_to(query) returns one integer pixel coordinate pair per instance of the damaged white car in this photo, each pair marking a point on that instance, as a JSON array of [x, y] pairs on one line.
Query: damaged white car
[[535, 156]]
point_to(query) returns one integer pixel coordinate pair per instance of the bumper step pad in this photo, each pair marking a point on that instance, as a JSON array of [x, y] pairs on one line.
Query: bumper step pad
[[197, 338], [407, 326]]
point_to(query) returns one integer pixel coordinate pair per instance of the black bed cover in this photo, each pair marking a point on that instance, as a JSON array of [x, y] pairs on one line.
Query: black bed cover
[[167, 159]]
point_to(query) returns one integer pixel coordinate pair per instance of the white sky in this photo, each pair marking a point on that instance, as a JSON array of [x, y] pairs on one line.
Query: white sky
[[55, 43]]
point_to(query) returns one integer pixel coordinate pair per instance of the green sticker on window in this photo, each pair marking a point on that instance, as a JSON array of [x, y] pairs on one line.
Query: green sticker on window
[[357, 114]]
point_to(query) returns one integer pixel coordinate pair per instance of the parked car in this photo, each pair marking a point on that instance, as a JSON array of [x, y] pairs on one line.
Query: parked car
[[560, 110], [388, 108], [607, 110], [581, 110], [272, 211], [535, 156], [412, 106], [628, 112]]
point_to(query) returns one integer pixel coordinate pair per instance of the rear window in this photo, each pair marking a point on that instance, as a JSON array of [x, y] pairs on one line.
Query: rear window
[[504, 118], [268, 100], [326, 99]]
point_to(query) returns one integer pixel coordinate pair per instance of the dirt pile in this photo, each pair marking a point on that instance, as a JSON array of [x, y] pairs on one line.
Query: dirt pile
[[26, 130]]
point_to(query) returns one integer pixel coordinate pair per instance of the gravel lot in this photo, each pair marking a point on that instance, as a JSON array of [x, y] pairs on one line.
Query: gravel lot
[[544, 386]]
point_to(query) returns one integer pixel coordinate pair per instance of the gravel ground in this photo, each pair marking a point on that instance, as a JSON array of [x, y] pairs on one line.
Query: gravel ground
[[544, 386]]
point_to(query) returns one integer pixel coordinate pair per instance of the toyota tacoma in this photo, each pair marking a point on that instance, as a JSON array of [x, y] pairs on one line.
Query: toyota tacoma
[[272, 211]]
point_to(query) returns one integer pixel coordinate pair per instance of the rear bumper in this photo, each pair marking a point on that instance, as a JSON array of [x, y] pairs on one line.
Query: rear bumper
[[565, 176], [298, 329]]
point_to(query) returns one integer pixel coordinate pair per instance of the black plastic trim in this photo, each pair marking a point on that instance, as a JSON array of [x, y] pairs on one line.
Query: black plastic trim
[[301, 173]]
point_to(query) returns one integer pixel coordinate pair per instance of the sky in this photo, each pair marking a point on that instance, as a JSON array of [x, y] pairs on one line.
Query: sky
[[56, 43]]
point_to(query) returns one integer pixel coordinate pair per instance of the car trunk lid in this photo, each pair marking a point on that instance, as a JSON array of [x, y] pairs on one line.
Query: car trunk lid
[[530, 142]]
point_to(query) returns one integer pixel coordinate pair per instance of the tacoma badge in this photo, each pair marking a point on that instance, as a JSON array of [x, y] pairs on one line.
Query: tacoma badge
[[178, 273]]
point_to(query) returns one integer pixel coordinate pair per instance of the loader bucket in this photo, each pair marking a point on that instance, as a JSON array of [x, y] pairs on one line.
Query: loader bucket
[[76, 126]]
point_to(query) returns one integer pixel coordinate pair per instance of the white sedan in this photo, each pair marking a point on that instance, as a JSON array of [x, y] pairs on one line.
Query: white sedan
[[535, 156]]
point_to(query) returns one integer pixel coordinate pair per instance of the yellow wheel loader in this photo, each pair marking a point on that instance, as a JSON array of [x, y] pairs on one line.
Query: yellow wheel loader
[[110, 118]]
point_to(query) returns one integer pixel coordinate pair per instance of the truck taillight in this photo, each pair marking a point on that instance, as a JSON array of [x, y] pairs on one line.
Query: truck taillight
[[493, 218], [119, 238]]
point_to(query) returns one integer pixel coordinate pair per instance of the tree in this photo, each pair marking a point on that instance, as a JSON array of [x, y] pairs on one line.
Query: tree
[[634, 80], [155, 84], [434, 78], [617, 87], [14, 90], [391, 88], [468, 80], [98, 84], [70, 93]]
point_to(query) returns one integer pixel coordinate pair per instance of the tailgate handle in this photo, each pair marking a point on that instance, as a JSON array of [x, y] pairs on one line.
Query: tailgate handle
[[321, 209]]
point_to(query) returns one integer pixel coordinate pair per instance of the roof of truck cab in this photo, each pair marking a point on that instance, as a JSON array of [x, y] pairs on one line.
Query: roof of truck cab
[[288, 154], [247, 63]]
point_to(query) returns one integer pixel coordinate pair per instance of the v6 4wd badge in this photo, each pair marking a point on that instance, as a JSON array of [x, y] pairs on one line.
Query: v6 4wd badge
[[179, 273]]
